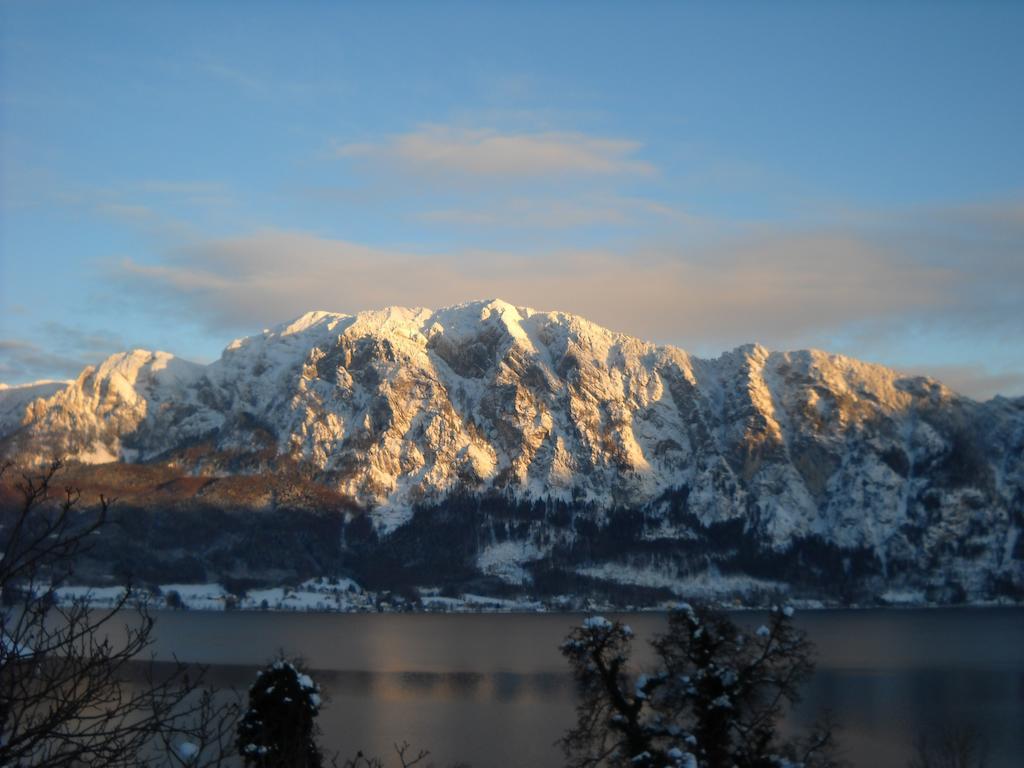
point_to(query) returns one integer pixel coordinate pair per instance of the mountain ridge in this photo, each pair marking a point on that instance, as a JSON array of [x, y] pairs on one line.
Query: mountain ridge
[[399, 409]]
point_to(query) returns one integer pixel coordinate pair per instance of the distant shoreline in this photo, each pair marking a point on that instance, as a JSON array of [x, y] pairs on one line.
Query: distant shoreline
[[345, 599]]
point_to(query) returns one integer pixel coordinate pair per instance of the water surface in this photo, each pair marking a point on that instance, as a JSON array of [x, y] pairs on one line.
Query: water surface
[[493, 690]]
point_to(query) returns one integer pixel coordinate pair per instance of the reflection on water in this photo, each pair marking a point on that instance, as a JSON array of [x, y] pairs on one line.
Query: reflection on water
[[880, 711], [494, 691]]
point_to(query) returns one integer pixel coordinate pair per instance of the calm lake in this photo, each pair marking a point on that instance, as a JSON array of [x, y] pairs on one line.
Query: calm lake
[[493, 690]]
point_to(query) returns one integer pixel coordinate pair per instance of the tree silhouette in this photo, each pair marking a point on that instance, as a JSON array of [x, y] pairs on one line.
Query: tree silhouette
[[714, 701], [65, 695], [277, 730]]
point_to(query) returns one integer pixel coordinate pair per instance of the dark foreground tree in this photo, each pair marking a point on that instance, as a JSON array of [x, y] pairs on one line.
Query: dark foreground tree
[[72, 692], [713, 702], [950, 745], [278, 728]]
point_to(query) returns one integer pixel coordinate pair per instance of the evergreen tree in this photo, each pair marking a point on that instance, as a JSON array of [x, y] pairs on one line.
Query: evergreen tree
[[277, 730]]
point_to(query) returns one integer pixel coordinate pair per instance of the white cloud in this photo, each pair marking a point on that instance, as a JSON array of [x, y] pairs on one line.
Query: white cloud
[[874, 287], [775, 289], [442, 149]]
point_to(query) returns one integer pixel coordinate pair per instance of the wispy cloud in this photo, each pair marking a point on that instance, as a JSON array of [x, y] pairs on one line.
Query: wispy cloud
[[444, 149], [530, 213], [232, 75], [147, 219], [253, 79], [776, 287], [22, 361], [977, 380], [195, 192], [560, 212], [67, 350], [157, 205]]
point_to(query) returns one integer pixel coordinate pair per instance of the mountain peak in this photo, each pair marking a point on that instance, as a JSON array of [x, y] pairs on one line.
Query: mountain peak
[[398, 409], [306, 321]]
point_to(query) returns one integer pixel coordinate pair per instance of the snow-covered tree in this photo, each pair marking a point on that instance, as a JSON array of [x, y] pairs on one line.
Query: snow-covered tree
[[713, 702], [277, 729]]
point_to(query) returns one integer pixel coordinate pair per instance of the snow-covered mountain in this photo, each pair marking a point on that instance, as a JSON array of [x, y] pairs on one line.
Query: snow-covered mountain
[[14, 401], [401, 410]]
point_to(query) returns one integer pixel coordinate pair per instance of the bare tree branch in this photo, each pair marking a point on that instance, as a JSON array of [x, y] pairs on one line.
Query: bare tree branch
[[67, 696]]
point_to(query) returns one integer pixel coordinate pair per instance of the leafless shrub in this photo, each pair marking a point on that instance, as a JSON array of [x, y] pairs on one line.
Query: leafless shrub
[[951, 745], [65, 694]]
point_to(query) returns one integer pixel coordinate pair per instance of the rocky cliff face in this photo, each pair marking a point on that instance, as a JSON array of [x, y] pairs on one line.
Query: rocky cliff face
[[401, 410]]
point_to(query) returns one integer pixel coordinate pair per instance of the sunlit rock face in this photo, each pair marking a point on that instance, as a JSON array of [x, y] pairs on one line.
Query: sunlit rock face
[[401, 408]]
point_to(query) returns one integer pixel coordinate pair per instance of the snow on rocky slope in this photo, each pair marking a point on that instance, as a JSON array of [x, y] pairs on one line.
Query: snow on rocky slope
[[402, 407], [15, 400]]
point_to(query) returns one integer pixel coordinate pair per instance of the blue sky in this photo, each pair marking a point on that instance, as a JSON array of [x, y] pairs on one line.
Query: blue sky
[[844, 176]]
